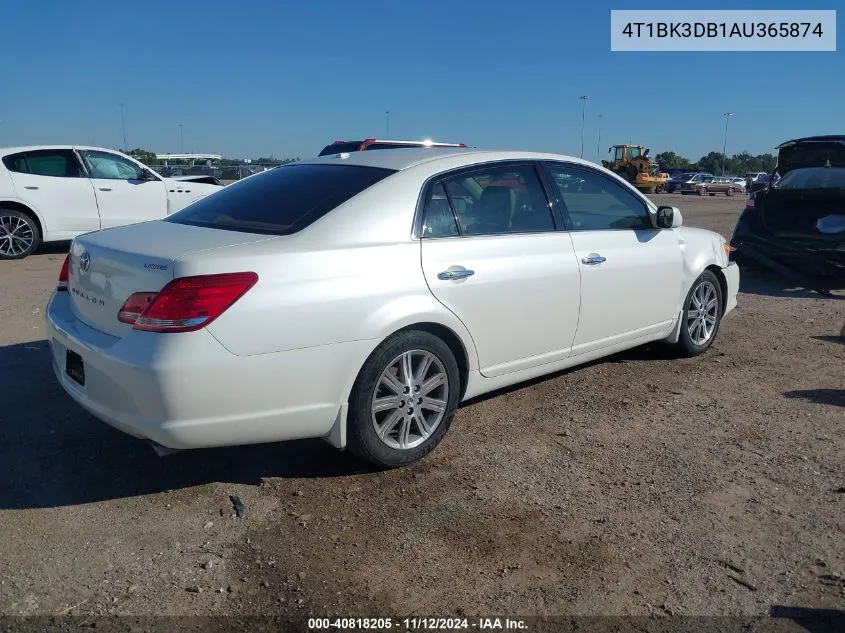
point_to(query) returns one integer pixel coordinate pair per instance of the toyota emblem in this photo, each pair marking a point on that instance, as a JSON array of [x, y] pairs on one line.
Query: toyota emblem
[[85, 262]]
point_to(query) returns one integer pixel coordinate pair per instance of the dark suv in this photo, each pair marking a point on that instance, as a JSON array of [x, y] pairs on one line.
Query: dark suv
[[341, 147]]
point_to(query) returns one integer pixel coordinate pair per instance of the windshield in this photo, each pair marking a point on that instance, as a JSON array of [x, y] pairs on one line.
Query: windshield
[[280, 201], [813, 178]]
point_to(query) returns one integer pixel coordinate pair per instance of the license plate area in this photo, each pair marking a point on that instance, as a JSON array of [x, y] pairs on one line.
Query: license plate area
[[74, 367]]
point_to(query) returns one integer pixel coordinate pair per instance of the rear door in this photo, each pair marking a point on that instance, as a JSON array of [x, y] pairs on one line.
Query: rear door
[[631, 272], [123, 196], [53, 182], [492, 255]]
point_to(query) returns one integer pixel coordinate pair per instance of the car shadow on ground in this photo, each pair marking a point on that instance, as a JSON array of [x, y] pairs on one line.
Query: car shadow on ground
[[758, 281], [53, 453], [53, 248], [810, 619], [834, 397]]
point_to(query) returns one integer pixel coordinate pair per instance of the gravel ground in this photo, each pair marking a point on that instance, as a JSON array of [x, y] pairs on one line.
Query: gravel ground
[[633, 486]]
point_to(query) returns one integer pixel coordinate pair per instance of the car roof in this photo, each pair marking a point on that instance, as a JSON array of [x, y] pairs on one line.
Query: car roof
[[5, 151], [400, 159]]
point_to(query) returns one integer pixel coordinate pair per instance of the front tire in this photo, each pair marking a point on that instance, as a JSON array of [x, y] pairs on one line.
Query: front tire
[[19, 234], [403, 400], [701, 316]]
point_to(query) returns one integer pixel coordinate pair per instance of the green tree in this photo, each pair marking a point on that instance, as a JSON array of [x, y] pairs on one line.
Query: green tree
[[145, 156], [671, 160]]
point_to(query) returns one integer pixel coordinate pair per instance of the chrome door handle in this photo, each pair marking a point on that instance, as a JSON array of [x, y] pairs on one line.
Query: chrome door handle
[[593, 260], [455, 274]]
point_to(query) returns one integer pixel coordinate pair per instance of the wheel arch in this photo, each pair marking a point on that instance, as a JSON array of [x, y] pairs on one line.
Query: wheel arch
[[6, 203], [460, 348], [723, 283]]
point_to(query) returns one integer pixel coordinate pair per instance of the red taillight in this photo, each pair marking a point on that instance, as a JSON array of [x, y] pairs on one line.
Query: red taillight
[[63, 275], [187, 303], [135, 306]]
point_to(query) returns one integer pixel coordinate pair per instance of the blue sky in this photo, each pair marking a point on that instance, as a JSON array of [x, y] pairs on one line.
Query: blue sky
[[285, 78]]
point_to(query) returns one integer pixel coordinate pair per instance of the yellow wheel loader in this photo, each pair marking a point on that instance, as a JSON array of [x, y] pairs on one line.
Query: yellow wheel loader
[[632, 163]]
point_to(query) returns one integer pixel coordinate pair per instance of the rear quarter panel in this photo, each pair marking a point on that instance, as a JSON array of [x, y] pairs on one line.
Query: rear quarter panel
[[310, 298]]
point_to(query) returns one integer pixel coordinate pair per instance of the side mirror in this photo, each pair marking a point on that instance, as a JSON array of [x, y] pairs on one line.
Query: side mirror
[[668, 218], [146, 174]]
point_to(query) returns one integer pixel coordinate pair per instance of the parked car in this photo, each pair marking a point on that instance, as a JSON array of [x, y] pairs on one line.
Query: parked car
[[340, 147], [796, 225], [740, 181], [54, 193], [674, 183], [717, 184], [689, 185], [756, 180], [360, 298]]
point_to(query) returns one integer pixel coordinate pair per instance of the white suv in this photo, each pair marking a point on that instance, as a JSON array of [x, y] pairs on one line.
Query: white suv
[[56, 192]]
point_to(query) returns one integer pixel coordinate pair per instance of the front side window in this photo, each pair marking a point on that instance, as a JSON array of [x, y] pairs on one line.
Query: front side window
[[58, 163], [594, 202], [110, 166], [496, 200], [280, 201]]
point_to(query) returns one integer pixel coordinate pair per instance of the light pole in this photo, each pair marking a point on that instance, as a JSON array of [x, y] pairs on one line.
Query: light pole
[[181, 140], [583, 115], [725, 146], [123, 125], [598, 144], [387, 124]]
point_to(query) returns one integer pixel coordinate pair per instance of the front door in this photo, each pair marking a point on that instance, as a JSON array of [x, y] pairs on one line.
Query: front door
[[122, 195], [631, 272], [491, 255]]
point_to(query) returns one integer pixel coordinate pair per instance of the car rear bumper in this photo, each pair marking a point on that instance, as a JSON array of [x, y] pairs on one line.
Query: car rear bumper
[[822, 266], [187, 391]]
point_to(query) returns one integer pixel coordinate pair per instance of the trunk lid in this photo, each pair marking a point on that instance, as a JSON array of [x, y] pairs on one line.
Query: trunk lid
[[810, 152], [108, 266]]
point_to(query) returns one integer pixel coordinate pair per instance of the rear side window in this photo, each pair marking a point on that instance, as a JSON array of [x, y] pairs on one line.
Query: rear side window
[[281, 201], [61, 163], [16, 162]]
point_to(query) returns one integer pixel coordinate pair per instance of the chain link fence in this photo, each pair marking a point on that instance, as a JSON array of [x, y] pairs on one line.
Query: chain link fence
[[224, 173]]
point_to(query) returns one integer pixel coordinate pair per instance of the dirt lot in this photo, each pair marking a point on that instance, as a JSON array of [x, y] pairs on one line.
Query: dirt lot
[[638, 485]]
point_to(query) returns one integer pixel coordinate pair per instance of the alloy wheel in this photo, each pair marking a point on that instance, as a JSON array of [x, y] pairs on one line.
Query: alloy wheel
[[410, 399], [16, 236], [702, 313]]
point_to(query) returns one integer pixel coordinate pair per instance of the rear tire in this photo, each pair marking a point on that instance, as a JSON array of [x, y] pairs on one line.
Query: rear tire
[[701, 316], [729, 192], [19, 234], [403, 400], [702, 191]]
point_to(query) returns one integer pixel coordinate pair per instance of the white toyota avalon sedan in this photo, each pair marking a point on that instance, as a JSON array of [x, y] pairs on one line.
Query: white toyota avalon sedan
[[360, 297]]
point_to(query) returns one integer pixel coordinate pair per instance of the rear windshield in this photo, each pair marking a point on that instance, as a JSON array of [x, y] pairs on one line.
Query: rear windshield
[[813, 178], [280, 201]]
